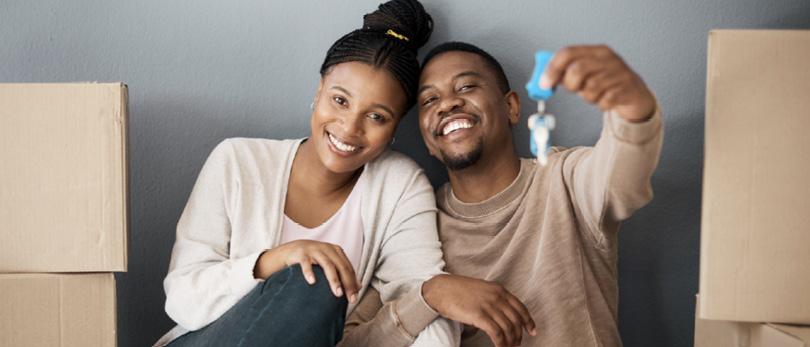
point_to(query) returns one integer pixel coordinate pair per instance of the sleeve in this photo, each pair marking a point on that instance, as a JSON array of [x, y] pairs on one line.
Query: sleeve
[[410, 254], [203, 282], [361, 330], [610, 181]]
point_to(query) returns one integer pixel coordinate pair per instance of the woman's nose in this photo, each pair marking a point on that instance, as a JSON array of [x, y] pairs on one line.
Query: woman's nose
[[353, 125]]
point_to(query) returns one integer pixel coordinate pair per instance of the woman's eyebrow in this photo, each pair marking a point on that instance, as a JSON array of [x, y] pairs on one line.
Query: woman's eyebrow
[[343, 90], [385, 108], [349, 94]]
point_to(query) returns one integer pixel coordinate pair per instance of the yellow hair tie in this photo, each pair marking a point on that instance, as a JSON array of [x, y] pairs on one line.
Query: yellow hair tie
[[394, 34]]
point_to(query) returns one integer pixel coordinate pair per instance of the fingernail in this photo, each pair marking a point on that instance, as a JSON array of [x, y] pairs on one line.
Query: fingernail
[[534, 332], [353, 298], [545, 82], [338, 291], [311, 279]]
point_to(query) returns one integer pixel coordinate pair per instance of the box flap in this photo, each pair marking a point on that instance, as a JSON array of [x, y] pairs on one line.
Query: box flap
[[63, 200], [775, 335], [798, 336]]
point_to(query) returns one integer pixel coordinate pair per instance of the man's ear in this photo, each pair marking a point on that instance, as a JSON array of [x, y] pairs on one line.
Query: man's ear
[[513, 103]]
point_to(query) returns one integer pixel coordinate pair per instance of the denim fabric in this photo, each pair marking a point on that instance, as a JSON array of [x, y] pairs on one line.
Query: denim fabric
[[284, 310]]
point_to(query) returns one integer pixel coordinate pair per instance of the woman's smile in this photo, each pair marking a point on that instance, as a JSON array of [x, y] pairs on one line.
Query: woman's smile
[[342, 147]]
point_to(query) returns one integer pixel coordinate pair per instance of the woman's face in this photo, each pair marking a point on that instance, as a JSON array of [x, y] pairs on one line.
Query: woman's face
[[357, 110]]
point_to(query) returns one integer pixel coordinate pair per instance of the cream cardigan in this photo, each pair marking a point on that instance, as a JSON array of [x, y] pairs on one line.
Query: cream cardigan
[[235, 212]]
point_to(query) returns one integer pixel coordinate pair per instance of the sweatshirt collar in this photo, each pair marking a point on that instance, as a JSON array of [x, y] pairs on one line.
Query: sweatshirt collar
[[495, 203]]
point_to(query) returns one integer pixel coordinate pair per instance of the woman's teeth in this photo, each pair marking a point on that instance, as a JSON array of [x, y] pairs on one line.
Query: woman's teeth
[[455, 125], [340, 145]]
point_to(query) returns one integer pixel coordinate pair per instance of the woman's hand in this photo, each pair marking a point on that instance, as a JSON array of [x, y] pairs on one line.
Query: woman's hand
[[331, 258]]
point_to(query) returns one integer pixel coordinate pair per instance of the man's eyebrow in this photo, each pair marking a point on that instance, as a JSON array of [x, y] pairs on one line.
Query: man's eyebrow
[[459, 75], [343, 90], [467, 73], [423, 88]]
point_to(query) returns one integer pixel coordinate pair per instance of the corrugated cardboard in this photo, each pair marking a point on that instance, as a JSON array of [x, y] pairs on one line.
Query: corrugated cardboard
[[63, 178], [59, 310], [717, 333], [755, 232]]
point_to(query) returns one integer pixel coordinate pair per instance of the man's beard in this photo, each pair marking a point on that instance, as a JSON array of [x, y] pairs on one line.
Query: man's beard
[[463, 161]]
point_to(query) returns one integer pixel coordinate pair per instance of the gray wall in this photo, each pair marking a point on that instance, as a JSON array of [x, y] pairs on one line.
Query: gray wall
[[202, 71]]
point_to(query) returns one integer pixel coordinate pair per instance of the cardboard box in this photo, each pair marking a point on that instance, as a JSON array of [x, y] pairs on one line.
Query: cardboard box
[[63, 178], [57, 310], [755, 231], [715, 333]]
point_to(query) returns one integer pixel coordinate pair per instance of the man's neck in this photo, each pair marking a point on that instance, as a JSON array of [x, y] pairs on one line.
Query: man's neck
[[485, 179]]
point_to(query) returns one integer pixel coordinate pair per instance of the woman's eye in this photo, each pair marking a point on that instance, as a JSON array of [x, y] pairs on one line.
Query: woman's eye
[[339, 100], [376, 117]]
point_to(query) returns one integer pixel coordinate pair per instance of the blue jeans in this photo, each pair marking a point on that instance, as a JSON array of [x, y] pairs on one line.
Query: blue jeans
[[284, 310]]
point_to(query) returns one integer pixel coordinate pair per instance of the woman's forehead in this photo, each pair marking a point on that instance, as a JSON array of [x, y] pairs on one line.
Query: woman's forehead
[[363, 81]]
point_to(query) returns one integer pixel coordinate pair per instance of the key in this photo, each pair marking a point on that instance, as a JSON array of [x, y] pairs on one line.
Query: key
[[540, 123]]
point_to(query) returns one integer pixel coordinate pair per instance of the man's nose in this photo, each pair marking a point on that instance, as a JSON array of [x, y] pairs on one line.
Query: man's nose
[[448, 104]]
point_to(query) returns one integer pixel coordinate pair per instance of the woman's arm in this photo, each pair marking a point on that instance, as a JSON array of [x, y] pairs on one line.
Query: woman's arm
[[410, 254], [203, 281]]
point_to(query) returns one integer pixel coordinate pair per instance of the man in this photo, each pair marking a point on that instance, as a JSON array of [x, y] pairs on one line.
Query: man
[[512, 229]]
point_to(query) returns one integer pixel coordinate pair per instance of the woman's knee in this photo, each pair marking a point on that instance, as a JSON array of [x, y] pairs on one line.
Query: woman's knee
[[292, 285]]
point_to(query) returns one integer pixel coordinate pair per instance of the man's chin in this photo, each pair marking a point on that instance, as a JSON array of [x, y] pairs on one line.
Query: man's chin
[[456, 162]]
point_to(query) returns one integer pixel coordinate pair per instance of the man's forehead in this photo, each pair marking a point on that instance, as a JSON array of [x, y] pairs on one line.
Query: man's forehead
[[449, 65]]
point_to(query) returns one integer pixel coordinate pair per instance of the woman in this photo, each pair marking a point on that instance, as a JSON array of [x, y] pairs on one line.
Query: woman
[[280, 239]]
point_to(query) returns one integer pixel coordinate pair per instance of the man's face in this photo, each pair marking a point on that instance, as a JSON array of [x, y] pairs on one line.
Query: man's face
[[463, 115]]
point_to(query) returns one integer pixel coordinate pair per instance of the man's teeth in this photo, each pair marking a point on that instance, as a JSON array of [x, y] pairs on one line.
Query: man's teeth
[[340, 145], [455, 125]]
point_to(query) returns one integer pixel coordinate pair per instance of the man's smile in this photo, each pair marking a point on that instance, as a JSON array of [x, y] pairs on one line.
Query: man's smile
[[455, 124]]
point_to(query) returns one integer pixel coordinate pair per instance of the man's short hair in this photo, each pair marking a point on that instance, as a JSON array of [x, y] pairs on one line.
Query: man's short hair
[[489, 60]]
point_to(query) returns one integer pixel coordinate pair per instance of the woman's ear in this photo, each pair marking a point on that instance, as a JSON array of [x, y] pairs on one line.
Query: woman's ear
[[513, 103], [318, 93]]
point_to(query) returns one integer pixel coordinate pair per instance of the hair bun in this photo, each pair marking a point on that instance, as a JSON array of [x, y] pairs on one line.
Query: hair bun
[[407, 19]]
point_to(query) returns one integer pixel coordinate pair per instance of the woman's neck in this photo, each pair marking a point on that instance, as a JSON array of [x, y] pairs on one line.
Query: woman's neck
[[309, 173]]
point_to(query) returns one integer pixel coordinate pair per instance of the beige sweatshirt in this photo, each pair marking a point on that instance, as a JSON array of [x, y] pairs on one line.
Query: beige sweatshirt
[[550, 238]]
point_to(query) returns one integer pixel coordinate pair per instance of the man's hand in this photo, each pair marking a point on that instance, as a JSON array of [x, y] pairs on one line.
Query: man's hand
[[483, 304], [602, 78]]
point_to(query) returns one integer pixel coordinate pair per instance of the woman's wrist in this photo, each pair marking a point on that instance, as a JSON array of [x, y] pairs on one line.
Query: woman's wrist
[[267, 264]]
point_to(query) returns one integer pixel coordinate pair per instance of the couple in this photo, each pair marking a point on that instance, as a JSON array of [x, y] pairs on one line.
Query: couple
[[333, 239]]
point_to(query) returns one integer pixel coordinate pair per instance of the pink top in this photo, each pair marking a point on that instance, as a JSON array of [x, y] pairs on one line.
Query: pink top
[[344, 228]]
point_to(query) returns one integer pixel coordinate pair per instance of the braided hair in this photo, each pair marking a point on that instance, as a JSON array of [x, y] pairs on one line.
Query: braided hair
[[389, 39]]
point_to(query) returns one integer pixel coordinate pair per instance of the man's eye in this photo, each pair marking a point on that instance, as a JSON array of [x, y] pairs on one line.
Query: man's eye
[[376, 117], [467, 87], [428, 100], [339, 100]]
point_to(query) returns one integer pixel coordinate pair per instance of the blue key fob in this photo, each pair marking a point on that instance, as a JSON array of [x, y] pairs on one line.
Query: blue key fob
[[541, 59]]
